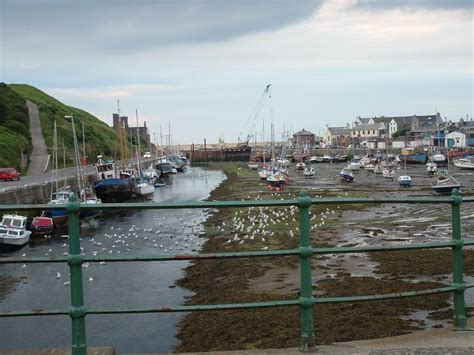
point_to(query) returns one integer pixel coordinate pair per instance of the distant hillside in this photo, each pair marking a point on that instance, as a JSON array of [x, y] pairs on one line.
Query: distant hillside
[[15, 140], [99, 137]]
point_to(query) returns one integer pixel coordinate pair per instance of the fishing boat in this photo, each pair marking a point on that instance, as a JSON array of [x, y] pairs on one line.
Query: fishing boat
[[277, 180], [13, 230], [413, 157], [110, 187], [89, 197], [41, 226], [431, 168], [346, 175], [465, 163], [164, 167], [309, 171]]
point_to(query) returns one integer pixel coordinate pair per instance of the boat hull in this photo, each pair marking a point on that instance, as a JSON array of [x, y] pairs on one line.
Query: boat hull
[[417, 158], [114, 190], [15, 242]]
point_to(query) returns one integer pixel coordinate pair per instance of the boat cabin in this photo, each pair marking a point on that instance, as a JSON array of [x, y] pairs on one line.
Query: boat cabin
[[105, 169]]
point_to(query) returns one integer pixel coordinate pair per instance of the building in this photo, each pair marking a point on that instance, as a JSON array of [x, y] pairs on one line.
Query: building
[[304, 139], [455, 140], [122, 121], [337, 136]]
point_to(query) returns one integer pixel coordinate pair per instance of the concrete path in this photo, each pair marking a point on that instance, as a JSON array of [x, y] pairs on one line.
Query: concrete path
[[39, 156]]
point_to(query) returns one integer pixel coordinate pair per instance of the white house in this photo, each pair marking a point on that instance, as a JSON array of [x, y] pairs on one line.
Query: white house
[[455, 140]]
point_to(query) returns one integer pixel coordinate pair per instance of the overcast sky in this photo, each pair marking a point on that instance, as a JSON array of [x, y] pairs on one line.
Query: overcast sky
[[203, 65]]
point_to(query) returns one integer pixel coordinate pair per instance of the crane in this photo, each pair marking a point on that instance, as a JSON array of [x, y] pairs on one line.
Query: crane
[[247, 133]]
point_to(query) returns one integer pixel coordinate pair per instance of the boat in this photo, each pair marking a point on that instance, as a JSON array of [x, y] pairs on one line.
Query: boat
[[465, 163], [13, 230], [404, 180], [346, 175], [309, 171], [253, 166], [378, 169], [445, 183], [89, 197], [413, 157], [41, 226], [438, 158], [431, 168], [277, 180], [300, 166], [60, 197], [164, 167], [388, 172], [369, 167], [328, 158], [353, 165], [110, 186]]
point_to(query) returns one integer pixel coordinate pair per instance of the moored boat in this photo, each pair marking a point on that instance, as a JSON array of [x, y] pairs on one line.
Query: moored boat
[[404, 180], [464, 163], [413, 157], [309, 171], [431, 168], [13, 230], [60, 197], [346, 175], [41, 226], [110, 187]]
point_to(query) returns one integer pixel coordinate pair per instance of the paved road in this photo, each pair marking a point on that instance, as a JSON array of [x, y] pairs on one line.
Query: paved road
[[39, 156], [42, 178]]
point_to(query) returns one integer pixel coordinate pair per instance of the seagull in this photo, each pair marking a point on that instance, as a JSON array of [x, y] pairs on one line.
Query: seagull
[[58, 275], [91, 279]]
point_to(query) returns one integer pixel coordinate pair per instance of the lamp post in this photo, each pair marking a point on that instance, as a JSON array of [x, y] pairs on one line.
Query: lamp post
[[71, 116]]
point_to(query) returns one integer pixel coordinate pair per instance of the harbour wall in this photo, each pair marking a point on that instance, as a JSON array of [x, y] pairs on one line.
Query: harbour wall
[[37, 193]]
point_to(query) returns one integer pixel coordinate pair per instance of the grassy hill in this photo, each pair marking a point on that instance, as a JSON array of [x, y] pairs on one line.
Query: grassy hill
[[15, 140], [99, 137]]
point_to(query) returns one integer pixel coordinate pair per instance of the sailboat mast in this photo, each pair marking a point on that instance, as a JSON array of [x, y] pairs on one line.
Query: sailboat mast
[[77, 158], [138, 138]]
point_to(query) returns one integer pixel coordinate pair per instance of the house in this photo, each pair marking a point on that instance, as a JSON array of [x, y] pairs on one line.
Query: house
[[337, 136], [304, 139], [368, 130], [455, 140]]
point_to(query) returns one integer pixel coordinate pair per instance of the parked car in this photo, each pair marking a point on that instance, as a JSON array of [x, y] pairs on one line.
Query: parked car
[[9, 174]]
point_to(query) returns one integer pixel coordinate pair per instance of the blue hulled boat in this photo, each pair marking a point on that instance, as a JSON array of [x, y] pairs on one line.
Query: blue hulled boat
[[110, 187]]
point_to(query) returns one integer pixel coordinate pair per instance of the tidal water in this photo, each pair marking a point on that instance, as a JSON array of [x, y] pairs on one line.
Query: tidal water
[[113, 285]]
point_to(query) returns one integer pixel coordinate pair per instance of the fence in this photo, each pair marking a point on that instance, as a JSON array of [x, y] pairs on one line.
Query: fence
[[306, 301]]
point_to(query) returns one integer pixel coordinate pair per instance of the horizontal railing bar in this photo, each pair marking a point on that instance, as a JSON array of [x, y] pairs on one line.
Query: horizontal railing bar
[[387, 296], [249, 203], [248, 254], [232, 306]]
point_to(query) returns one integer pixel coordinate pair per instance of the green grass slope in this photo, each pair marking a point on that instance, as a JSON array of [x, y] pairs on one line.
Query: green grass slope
[[15, 140], [99, 137]]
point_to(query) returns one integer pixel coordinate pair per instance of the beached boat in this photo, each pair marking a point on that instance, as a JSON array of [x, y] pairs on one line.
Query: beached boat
[[41, 226], [413, 157], [110, 186], [431, 168], [378, 169], [13, 230], [354, 165], [445, 183], [346, 175], [309, 171], [277, 180], [404, 180], [388, 173], [465, 163]]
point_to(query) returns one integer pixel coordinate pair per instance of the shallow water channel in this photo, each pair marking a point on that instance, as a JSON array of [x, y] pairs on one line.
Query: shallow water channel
[[113, 285]]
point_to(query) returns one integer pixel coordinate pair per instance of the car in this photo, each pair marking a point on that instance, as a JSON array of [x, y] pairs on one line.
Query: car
[[9, 174]]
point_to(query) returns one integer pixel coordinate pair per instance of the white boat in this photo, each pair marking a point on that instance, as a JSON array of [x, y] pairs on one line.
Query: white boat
[[378, 169], [431, 168], [404, 180], [253, 166], [13, 230], [151, 173], [370, 167], [445, 185], [388, 173], [309, 171], [465, 163], [300, 166], [144, 188], [354, 165], [438, 158]]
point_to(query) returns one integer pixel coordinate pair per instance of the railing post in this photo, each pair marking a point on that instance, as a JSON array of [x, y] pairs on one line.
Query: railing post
[[306, 295], [460, 320], [77, 312]]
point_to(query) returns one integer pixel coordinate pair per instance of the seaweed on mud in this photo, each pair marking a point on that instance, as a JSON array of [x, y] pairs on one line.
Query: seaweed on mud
[[227, 281]]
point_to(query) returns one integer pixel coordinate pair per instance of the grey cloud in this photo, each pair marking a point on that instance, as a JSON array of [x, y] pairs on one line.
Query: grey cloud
[[125, 26], [381, 5]]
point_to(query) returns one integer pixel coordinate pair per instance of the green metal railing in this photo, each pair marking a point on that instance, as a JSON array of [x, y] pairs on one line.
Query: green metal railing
[[78, 311]]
